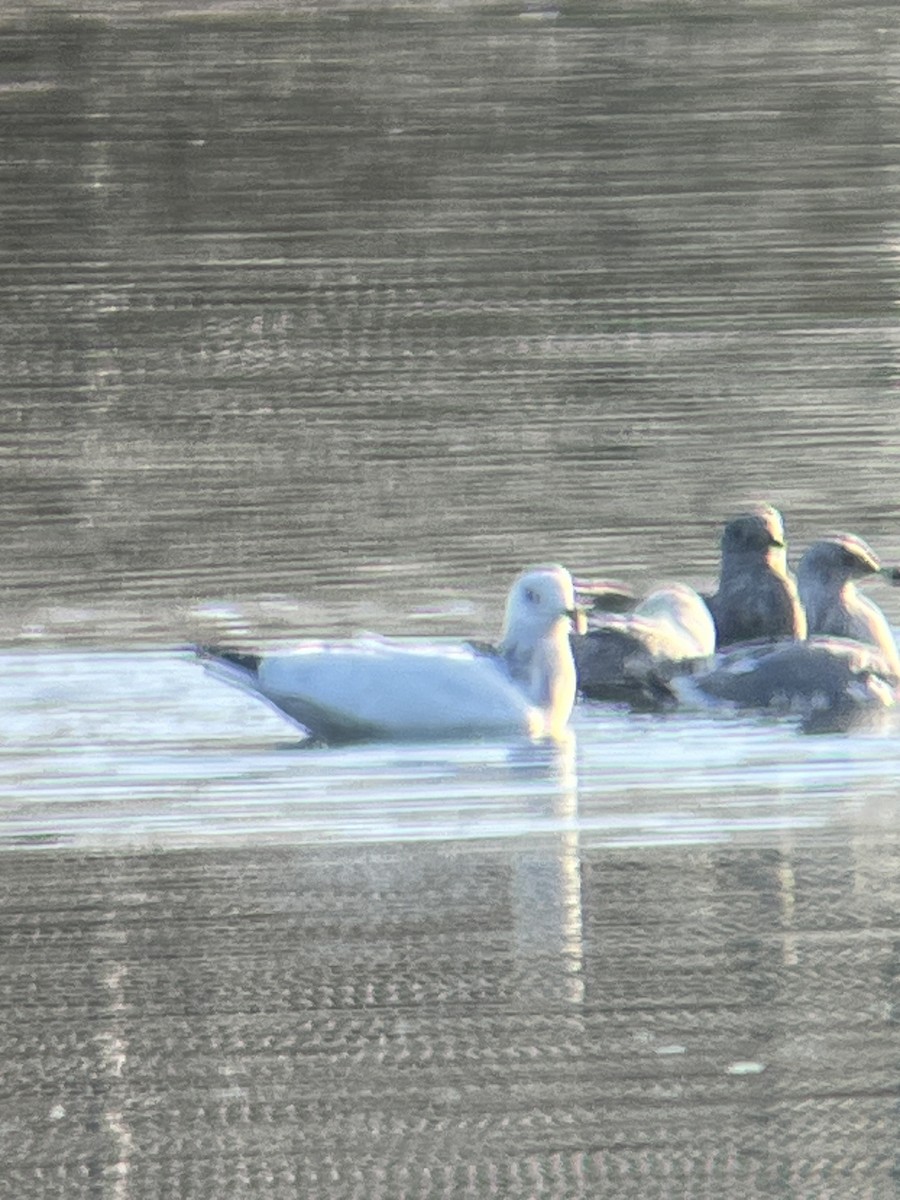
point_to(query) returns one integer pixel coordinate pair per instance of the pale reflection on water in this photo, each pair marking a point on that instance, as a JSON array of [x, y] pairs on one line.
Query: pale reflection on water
[[107, 750], [521, 1017]]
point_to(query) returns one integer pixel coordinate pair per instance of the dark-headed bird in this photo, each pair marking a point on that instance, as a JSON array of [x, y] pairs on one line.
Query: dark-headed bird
[[756, 599], [846, 675]]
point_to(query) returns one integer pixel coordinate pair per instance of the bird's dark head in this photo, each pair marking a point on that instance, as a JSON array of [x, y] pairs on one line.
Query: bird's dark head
[[757, 532]]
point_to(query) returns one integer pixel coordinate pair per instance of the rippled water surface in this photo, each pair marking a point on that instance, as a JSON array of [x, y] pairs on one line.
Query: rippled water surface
[[112, 751], [318, 319], [660, 960]]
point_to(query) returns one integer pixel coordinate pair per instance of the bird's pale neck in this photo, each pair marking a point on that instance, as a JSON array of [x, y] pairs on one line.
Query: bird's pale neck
[[544, 668], [829, 607]]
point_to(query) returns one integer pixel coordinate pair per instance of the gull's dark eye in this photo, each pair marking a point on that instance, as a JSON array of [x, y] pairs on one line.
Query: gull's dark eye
[[531, 596], [852, 561]]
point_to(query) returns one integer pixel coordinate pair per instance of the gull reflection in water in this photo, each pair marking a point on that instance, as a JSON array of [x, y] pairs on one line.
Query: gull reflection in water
[[546, 886]]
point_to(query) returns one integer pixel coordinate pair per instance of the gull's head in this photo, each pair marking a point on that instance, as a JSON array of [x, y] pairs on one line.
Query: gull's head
[[756, 533], [536, 646], [833, 561], [540, 600]]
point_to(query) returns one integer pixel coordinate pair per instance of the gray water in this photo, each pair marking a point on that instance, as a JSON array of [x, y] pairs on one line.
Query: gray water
[[315, 320]]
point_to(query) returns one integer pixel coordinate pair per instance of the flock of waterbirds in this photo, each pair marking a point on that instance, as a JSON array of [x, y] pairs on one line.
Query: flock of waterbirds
[[813, 647]]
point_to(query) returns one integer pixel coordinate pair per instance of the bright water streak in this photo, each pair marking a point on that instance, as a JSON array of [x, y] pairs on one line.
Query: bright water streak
[[144, 749]]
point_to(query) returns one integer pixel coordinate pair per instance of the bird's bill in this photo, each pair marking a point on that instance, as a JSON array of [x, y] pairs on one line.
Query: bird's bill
[[578, 617]]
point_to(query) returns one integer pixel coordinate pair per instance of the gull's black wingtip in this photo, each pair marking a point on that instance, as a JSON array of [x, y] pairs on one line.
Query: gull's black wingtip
[[236, 658]]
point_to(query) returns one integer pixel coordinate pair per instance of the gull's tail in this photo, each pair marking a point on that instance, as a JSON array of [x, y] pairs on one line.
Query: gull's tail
[[211, 655], [238, 667]]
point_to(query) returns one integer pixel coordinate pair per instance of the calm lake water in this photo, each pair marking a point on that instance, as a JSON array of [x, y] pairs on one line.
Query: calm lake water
[[322, 319]]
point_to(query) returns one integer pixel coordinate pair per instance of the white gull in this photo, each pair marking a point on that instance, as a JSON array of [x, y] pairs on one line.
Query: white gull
[[371, 688]]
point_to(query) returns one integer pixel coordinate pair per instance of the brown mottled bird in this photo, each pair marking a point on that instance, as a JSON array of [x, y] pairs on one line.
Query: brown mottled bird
[[632, 658], [831, 684], [757, 598], [827, 576], [847, 673]]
